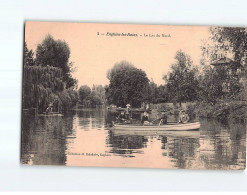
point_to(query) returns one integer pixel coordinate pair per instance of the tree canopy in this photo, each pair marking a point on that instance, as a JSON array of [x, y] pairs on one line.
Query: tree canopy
[[91, 97], [56, 53], [28, 56], [182, 84], [44, 84], [84, 91], [128, 84], [229, 42]]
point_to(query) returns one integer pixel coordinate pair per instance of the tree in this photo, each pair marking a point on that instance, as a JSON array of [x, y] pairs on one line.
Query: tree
[[162, 94], [127, 85], [44, 84], [232, 40], [229, 42], [118, 67], [94, 99], [100, 91], [210, 85], [182, 84], [41, 85], [152, 92], [56, 53], [84, 92], [28, 58]]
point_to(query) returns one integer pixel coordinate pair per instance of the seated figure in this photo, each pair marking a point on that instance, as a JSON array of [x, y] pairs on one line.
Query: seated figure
[[183, 117], [145, 119]]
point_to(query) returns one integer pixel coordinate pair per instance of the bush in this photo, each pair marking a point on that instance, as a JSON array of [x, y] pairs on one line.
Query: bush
[[222, 110], [191, 111]]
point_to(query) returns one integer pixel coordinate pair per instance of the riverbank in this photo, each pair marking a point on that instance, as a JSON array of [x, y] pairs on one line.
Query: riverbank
[[232, 110]]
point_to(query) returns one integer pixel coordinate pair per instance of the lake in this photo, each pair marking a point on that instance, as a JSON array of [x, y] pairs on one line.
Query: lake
[[83, 139]]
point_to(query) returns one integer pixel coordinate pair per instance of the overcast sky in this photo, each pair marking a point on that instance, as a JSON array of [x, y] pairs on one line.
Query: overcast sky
[[94, 54]]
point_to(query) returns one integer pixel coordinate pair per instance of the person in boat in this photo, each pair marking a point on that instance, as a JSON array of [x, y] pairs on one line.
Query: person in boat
[[145, 119], [127, 113], [183, 117], [163, 118], [49, 108], [121, 118]]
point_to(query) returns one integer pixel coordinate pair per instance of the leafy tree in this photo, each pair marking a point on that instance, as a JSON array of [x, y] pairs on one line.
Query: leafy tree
[[152, 91], [94, 99], [91, 98], [127, 85], [100, 91], [182, 84], [43, 85], [118, 67], [211, 85], [162, 94], [231, 42], [83, 92], [28, 58], [56, 53]]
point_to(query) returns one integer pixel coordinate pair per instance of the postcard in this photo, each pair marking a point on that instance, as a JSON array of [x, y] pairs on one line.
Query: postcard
[[129, 95]]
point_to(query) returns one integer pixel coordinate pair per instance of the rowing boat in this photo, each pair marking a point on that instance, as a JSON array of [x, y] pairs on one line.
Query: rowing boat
[[169, 127], [186, 134], [51, 114]]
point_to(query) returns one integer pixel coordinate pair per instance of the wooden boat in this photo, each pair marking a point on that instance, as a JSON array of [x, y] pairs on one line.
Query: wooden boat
[[169, 127], [187, 134], [51, 114]]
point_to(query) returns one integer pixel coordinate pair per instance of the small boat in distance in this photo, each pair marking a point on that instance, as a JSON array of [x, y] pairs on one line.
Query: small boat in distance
[[51, 114], [192, 126]]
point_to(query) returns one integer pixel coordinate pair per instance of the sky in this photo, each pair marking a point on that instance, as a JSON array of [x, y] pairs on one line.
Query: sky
[[94, 52]]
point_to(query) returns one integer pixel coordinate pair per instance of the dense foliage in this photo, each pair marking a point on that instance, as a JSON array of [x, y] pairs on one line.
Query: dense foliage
[[56, 53], [44, 84], [182, 83], [227, 82], [47, 79], [128, 85], [90, 98]]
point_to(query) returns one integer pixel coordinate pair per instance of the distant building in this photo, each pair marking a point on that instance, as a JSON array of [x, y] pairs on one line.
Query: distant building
[[233, 70]]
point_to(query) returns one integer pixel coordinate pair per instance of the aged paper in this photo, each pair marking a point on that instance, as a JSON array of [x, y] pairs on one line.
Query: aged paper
[[125, 95]]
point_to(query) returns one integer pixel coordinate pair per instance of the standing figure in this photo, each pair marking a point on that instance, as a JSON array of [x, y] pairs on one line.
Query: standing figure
[[127, 113]]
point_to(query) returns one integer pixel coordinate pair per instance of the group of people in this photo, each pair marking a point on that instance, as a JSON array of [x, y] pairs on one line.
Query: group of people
[[124, 117], [183, 117], [162, 120]]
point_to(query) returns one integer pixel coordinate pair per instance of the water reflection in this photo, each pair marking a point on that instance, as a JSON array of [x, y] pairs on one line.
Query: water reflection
[[83, 139], [125, 145], [44, 140]]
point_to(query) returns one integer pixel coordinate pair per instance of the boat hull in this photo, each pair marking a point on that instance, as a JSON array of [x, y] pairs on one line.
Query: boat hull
[[188, 134], [170, 127]]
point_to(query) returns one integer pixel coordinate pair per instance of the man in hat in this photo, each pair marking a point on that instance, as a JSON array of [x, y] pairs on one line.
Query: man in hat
[[127, 113]]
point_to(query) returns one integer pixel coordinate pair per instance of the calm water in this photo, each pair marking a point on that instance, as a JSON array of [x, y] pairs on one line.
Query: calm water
[[84, 140]]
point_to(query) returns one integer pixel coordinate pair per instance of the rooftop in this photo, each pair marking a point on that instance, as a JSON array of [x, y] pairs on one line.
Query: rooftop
[[222, 62]]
